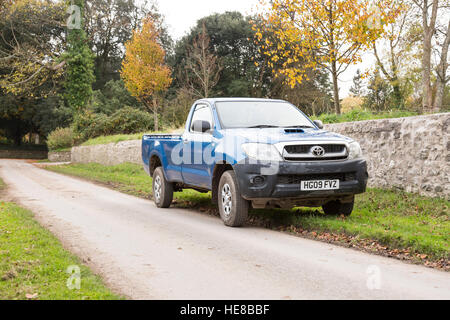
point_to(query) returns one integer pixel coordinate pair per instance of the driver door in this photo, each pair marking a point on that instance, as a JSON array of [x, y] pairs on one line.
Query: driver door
[[195, 170]]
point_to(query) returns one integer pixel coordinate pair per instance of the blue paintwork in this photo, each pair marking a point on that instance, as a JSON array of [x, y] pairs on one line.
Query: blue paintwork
[[225, 144]]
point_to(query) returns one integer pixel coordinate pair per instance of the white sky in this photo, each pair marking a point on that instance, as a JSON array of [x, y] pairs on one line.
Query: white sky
[[182, 15]]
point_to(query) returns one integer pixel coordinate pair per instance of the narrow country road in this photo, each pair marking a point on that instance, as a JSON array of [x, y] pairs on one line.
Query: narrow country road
[[149, 253]]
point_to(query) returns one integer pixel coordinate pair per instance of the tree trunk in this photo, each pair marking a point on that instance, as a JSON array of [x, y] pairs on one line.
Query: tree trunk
[[155, 114], [337, 103], [398, 97], [17, 136], [426, 74], [442, 72], [429, 29]]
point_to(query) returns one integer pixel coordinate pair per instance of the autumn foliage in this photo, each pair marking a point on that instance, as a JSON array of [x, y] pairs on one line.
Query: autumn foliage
[[144, 72], [329, 34]]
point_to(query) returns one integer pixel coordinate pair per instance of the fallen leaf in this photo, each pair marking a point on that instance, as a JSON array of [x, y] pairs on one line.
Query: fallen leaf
[[31, 296]]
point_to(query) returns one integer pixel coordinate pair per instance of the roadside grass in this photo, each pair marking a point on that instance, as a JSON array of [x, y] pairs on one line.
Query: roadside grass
[[61, 150], [122, 137], [361, 115], [33, 263], [392, 223]]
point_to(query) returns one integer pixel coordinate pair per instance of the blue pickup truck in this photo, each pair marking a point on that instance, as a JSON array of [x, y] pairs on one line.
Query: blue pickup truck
[[255, 153]]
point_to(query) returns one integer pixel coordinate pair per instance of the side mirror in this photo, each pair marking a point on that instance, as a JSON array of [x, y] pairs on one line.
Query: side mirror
[[201, 126], [318, 123]]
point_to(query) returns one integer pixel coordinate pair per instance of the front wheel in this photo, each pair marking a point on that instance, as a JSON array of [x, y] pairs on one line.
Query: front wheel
[[337, 207], [233, 208], [162, 189]]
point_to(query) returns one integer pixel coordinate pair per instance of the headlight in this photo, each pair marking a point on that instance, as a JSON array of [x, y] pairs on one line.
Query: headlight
[[261, 151], [354, 151]]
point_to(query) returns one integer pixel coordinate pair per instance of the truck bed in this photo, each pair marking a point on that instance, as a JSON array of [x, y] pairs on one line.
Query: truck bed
[[161, 136]]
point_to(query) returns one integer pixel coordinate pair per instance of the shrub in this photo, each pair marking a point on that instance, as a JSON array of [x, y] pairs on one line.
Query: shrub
[[127, 120], [130, 120], [89, 125], [60, 138]]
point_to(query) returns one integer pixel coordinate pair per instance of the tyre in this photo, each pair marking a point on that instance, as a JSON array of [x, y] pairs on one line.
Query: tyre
[[162, 189], [232, 207], [337, 208]]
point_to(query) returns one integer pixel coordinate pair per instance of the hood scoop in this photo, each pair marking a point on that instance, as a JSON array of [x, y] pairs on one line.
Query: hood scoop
[[294, 130]]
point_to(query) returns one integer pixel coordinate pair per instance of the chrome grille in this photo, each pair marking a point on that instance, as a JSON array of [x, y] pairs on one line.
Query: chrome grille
[[303, 152]]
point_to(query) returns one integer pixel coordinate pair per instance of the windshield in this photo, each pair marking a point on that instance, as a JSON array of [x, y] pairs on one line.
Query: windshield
[[260, 114]]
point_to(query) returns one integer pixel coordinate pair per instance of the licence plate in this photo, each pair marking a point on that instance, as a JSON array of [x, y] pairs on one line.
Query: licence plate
[[319, 185]]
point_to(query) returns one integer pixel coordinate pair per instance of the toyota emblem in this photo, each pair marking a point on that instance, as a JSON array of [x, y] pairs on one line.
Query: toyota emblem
[[318, 151]]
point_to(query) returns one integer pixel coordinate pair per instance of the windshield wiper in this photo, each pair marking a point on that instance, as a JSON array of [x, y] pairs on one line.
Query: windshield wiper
[[264, 126]]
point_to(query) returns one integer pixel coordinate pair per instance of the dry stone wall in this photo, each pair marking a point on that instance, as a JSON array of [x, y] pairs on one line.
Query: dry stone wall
[[411, 154], [109, 154]]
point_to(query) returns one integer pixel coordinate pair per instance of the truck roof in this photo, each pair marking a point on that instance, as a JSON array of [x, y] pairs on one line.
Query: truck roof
[[214, 100]]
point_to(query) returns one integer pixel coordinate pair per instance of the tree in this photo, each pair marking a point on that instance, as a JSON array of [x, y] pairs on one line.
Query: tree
[[357, 86], [230, 37], [203, 68], [399, 40], [31, 43], [144, 71], [32, 40], [378, 92], [429, 28], [430, 11], [245, 70], [109, 24], [330, 34], [112, 97], [441, 71], [79, 75]]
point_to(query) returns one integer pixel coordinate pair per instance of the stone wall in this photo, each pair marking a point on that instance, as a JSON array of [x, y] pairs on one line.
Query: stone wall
[[23, 154], [60, 156], [109, 154], [411, 154]]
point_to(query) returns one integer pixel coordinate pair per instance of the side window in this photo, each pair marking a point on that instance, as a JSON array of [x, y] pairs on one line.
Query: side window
[[202, 112]]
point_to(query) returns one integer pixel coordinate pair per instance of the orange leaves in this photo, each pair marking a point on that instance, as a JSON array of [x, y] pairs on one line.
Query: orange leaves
[[144, 70], [298, 35]]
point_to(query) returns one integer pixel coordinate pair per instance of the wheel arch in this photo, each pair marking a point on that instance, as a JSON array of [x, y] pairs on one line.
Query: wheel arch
[[155, 162], [218, 171]]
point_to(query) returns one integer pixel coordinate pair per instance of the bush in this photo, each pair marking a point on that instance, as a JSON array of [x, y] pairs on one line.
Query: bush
[[61, 138], [127, 120], [130, 120]]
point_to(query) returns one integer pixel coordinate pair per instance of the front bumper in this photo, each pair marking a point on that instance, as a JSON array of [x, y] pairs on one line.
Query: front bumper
[[284, 179]]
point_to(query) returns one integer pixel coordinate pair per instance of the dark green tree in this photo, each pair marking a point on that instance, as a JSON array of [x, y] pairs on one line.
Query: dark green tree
[[112, 97], [245, 71], [109, 24], [378, 92], [79, 75], [357, 87]]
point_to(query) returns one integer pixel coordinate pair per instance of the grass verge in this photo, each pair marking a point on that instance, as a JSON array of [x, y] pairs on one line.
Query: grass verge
[[392, 223], [33, 263], [122, 137], [361, 115]]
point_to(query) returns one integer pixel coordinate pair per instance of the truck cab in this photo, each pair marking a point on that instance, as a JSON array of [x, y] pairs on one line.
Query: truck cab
[[256, 153]]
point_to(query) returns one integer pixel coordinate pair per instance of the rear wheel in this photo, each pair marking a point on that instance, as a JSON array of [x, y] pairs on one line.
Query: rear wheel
[[162, 189], [233, 208], [336, 207]]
